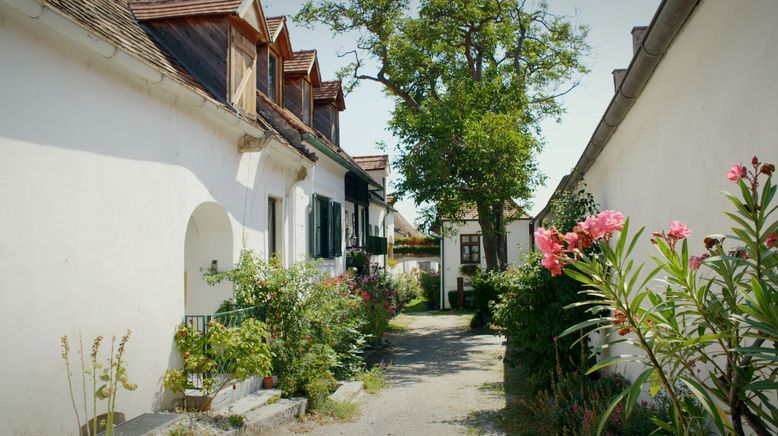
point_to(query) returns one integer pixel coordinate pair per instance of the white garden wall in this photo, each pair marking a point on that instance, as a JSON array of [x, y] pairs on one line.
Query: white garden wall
[[712, 102]]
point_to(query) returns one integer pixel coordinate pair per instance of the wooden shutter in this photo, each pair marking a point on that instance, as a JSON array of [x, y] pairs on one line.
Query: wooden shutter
[[337, 233], [315, 222], [326, 225], [243, 72]]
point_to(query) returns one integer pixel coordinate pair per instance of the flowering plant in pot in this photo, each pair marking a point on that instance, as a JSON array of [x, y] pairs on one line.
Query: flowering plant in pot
[[710, 326]]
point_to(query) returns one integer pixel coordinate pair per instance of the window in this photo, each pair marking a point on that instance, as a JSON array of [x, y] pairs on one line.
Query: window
[[326, 234], [470, 248], [273, 88], [306, 102], [272, 228], [243, 74]]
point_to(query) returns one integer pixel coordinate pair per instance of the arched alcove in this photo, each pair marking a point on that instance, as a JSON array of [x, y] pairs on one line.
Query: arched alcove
[[208, 239]]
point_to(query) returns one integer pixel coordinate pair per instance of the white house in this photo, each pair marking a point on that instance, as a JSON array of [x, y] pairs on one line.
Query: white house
[[143, 143], [373, 226], [694, 101], [462, 245]]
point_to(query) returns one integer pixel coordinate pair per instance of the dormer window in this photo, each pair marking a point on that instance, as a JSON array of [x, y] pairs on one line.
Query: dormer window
[[307, 102], [242, 73], [273, 74]]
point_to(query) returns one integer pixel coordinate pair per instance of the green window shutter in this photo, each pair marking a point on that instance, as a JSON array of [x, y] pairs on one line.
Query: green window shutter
[[326, 220], [337, 233], [315, 223]]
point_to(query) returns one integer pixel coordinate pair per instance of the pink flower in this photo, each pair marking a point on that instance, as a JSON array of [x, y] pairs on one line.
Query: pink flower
[[695, 262], [594, 226], [736, 172], [546, 242], [572, 240], [552, 263], [678, 230], [611, 221], [772, 241]]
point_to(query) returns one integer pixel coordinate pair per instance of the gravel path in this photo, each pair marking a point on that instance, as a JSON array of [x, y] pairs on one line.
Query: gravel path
[[442, 380]]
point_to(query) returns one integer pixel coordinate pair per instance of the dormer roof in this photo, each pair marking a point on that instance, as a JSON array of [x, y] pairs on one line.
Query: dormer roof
[[304, 63], [249, 13], [279, 35], [330, 92]]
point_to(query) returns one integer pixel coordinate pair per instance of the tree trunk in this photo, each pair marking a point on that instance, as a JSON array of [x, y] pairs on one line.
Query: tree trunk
[[491, 218]]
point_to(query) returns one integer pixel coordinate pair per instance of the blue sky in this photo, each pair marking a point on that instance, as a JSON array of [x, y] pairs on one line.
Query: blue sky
[[363, 124]]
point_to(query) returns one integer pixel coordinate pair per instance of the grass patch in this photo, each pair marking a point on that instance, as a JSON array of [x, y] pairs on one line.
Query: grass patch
[[374, 380], [497, 387], [416, 305], [340, 410], [399, 323]]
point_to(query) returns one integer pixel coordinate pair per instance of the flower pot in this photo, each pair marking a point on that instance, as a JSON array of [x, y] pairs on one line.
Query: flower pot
[[267, 382]]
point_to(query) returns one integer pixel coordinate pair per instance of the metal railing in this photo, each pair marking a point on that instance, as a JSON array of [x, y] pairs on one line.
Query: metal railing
[[230, 318]]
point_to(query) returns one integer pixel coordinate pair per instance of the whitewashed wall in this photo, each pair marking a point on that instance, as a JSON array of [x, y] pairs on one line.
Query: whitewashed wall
[[518, 244], [99, 177], [712, 102], [329, 182]]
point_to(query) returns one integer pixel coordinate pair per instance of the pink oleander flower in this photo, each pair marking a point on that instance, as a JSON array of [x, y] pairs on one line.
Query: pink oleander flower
[[572, 240], [678, 230], [611, 221], [553, 264], [736, 172], [594, 226], [772, 241], [546, 242], [695, 262]]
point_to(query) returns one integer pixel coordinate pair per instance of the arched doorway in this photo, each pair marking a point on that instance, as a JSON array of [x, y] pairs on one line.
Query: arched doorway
[[208, 245]]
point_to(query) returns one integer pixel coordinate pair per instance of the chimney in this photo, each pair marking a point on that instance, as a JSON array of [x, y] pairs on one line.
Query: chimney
[[618, 77], [637, 37]]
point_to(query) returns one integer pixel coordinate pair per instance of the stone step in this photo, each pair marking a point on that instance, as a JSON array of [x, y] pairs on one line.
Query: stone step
[[250, 402], [230, 394], [347, 391], [271, 416]]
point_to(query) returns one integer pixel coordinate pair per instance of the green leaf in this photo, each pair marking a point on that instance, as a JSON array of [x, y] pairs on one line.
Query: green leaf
[[609, 411], [706, 401], [584, 325], [654, 384], [636, 389], [612, 360]]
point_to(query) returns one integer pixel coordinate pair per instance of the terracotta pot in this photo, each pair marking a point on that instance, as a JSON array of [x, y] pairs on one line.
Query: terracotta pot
[[267, 382]]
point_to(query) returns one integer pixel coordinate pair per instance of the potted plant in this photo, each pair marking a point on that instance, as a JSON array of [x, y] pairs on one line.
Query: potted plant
[[268, 382]]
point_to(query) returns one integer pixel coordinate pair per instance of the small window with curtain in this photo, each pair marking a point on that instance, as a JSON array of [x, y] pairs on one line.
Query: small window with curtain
[[272, 228], [470, 248]]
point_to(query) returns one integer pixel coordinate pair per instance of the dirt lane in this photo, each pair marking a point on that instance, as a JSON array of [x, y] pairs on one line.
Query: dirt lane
[[442, 380]]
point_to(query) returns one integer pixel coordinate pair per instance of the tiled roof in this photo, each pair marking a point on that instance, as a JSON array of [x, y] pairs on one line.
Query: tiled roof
[[403, 228], [327, 91], [372, 163], [157, 9], [265, 104], [301, 63], [330, 92], [274, 25], [511, 208], [113, 20]]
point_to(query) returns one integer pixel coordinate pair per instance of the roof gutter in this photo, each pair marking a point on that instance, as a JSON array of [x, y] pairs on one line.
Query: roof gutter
[[58, 22], [354, 168], [667, 22]]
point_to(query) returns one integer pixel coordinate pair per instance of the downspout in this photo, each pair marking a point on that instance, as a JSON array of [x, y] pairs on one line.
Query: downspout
[[442, 267]]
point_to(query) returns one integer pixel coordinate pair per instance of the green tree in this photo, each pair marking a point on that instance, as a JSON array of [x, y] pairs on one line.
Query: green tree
[[471, 79]]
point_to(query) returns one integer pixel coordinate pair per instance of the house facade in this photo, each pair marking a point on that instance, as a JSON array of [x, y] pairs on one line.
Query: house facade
[[145, 143], [462, 246], [693, 102]]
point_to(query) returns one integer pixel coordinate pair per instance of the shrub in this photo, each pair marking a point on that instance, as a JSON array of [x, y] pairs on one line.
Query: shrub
[[222, 356], [408, 288], [453, 299], [531, 310], [487, 289], [378, 302], [431, 284], [574, 404]]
